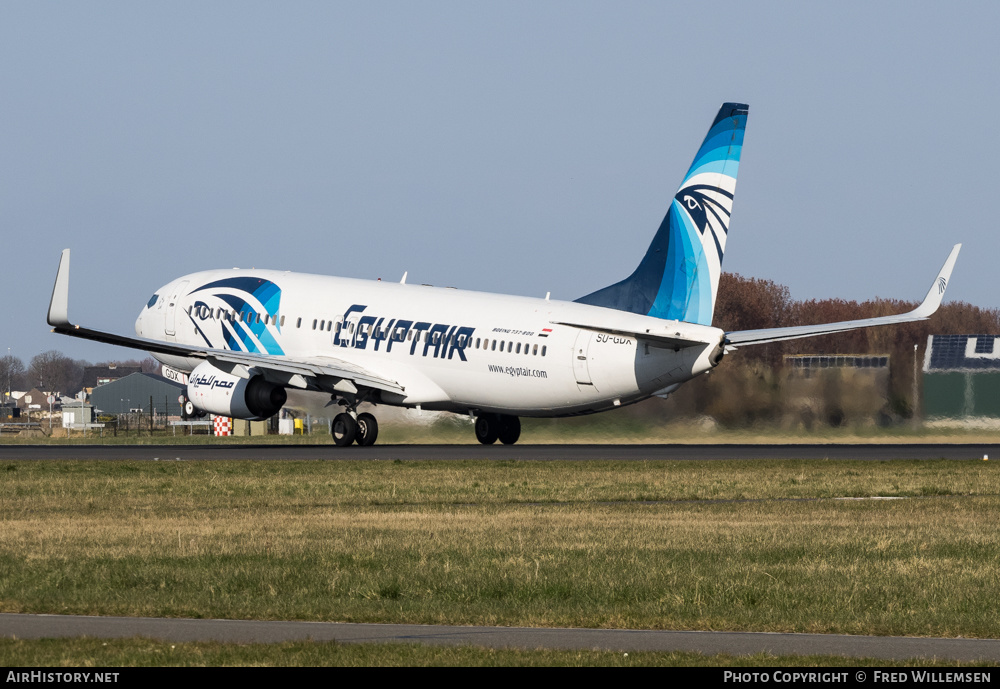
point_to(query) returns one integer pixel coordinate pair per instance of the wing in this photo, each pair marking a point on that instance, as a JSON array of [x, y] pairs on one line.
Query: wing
[[930, 304], [328, 373]]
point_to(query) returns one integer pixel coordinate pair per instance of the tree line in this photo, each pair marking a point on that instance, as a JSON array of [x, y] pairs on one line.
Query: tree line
[[751, 303], [53, 371], [750, 385]]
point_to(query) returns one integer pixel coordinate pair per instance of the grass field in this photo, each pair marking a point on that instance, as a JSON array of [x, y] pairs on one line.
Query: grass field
[[761, 546], [96, 653]]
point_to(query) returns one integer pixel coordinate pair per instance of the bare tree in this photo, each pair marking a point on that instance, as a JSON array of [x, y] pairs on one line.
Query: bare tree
[[53, 371], [11, 373]]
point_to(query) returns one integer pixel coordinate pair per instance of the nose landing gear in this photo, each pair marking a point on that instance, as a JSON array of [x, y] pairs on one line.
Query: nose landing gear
[[188, 410], [493, 427]]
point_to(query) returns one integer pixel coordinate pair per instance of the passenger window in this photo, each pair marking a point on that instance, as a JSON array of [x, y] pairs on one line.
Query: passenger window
[[510, 347], [543, 350], [518, 348], [329, 326], [322, 324], [534, 350], [337, 328], [298, 323], [314, 324]]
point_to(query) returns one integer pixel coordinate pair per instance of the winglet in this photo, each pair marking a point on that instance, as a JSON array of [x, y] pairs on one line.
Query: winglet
[[59, 304], [936, 293]]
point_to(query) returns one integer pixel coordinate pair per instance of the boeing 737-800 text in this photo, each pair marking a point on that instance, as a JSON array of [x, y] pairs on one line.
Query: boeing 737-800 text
[[246, 336]]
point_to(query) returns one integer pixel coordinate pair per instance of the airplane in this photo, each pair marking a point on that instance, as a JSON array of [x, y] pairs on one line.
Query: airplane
[[246, 337]]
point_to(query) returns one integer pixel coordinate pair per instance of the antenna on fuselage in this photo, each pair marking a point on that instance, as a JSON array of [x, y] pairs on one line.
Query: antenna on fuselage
[[403, 281]]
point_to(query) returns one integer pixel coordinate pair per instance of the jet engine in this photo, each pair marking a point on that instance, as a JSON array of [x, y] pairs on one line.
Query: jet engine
[[227, 394]]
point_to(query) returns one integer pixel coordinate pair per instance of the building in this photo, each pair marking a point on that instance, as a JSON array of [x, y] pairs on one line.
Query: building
[[96, 376], [34, 399], [837, 388], [77, 414], [962, 376], [135, 392]]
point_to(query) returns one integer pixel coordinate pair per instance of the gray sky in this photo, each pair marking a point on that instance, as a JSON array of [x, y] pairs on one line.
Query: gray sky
[[517, 147]]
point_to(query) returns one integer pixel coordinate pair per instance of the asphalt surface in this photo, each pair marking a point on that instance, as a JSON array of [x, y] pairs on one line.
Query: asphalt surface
[[872, 451], [734, 643]]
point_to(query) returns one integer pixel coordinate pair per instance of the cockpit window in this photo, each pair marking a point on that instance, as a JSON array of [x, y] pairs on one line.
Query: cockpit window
[[152, 300]]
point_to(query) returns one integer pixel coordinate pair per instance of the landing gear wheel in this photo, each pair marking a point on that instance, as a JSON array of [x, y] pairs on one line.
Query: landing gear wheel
[[510, 429], [189, 410], [345, 429], [367, 430], [487, 428]]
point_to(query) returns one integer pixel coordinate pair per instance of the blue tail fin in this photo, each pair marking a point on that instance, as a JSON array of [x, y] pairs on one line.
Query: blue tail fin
[[679, 276]]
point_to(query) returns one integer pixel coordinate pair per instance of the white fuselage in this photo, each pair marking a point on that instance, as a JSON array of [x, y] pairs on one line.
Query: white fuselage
[[449, 349]]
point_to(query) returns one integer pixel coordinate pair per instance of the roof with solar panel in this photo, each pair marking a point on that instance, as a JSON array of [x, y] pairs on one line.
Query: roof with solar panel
[[962, 353]]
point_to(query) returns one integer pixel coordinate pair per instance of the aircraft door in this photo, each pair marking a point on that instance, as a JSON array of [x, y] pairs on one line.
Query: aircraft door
[[580, 358], [170, 319]]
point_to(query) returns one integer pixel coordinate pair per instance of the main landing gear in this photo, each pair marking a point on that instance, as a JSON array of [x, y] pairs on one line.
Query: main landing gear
[[493, 427], [346, 429]]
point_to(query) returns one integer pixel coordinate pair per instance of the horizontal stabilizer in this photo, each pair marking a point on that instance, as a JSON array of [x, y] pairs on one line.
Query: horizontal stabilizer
[[659, 337], [930, 304]]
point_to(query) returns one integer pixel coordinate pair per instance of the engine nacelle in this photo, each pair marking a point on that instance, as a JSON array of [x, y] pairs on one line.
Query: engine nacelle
[[227, 394]]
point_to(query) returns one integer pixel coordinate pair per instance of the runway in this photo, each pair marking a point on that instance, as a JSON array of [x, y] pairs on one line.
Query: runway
[[833, 451], [628, 640]]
